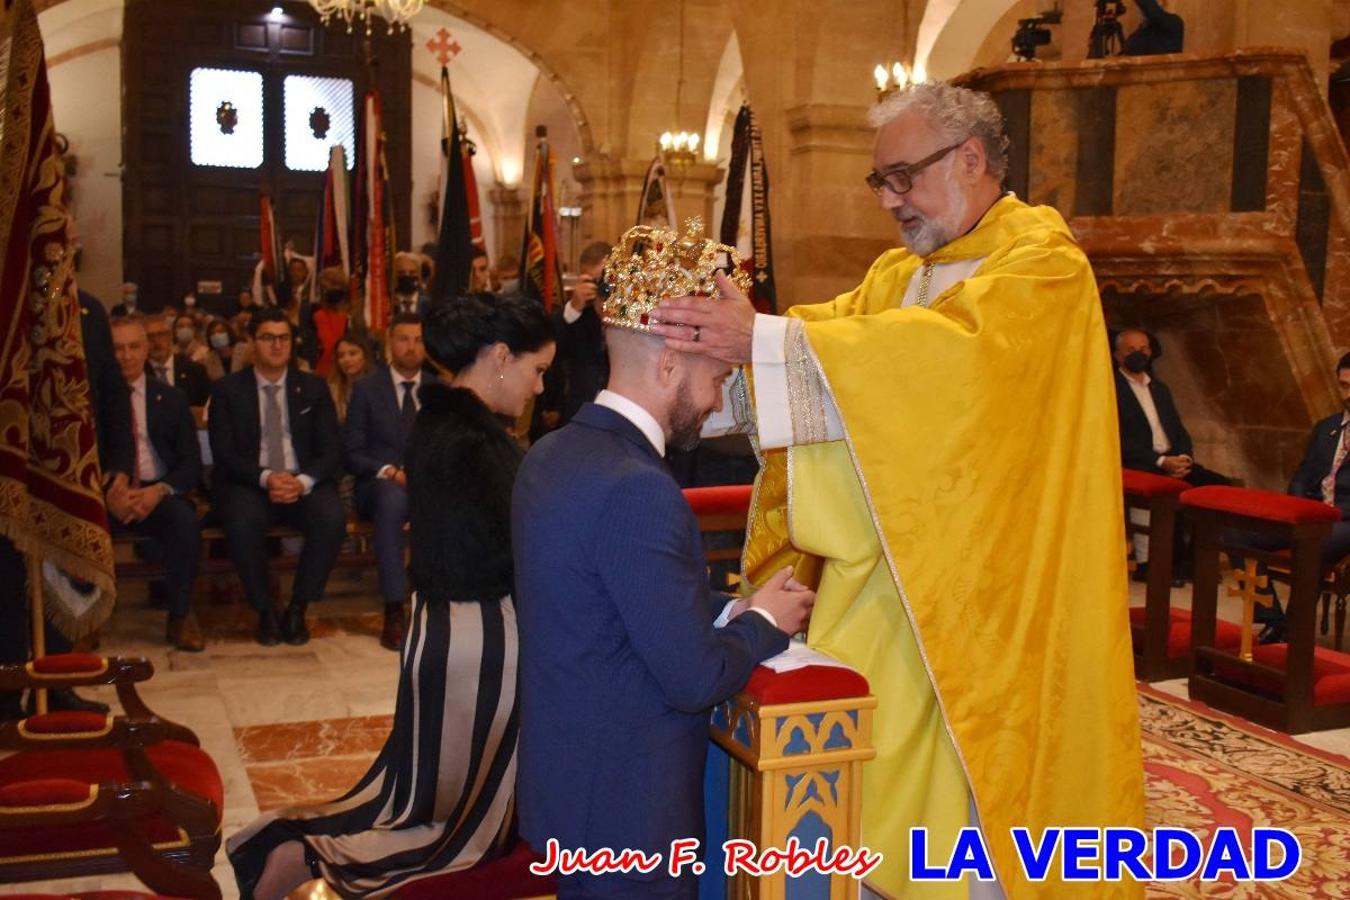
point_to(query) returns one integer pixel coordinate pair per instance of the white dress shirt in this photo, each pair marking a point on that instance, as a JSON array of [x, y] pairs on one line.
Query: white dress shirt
[[149, 467], [1161, 443], [647, 424], [388, 471], [292, 465], [164, 372]]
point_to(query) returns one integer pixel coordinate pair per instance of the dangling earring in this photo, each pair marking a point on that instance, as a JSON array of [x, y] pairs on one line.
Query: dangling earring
[[500, 376]]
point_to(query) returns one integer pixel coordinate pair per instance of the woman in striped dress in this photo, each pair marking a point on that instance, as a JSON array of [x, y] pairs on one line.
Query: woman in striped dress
[[439, 796]]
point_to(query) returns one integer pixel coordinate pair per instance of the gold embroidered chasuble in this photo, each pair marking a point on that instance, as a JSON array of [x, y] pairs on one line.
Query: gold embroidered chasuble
[[967, 540]]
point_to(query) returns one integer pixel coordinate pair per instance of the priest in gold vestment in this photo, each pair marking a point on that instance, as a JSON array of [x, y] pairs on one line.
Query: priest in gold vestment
[[940, 456]]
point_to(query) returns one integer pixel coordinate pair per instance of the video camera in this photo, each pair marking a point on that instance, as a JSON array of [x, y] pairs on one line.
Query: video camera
[[1033, 33], [1108, 37]]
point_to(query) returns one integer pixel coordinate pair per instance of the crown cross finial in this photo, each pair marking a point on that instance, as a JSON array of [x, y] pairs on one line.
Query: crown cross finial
[[693, 227]]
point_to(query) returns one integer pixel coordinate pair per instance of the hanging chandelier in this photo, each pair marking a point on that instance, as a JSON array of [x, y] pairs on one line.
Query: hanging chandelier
[[395, 13], [679, 148]]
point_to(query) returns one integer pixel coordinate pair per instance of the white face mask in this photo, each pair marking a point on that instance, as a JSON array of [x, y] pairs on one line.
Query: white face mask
[[184, 335], [189, 301], [220, 340]]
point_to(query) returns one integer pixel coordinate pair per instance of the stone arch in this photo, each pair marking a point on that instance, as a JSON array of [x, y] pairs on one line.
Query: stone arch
[[952, 32]]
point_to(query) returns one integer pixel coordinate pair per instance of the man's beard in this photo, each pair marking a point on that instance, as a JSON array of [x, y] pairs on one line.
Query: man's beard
[[932, 234], [686, 421]]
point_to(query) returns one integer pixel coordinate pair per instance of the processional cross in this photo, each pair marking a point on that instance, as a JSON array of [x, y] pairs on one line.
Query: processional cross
[[1247, 581], [443, 47]]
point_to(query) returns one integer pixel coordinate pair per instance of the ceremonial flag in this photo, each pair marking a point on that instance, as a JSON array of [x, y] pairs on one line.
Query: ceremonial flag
[[271, 268], [374, 221], [471, 192], [332, 230], [655, 206], [454, 242], [745, 219], [51, 496], [540, 275]]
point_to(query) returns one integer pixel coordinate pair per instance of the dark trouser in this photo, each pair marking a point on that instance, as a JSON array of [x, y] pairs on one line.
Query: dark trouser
[[1334, 549], [246, 514], [175, 528], [1182, 553], [385, 504], [618, 887]]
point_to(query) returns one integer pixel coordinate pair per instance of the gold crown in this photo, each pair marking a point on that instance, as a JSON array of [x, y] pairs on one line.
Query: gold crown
[[650, 265]]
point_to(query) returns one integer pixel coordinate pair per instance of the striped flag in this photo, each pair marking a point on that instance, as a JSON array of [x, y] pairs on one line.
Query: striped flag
[[745, 219], [374, 220], [455, 238], [540, 274]]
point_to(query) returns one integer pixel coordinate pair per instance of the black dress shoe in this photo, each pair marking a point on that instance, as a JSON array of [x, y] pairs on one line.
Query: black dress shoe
[[65, 700], [1274, 633], [269, 630], [1140, 572], [294, 629]]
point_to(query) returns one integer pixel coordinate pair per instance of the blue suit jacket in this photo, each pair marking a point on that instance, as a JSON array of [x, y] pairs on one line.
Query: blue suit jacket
[[373, 435], [619, 662], [1318, 459]]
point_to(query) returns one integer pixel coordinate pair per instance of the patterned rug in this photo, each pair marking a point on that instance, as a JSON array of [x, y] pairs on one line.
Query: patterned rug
[[1204, 770]]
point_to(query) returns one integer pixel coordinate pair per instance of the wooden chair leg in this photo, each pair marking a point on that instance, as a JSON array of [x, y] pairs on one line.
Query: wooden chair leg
[[162, 875], [1339, 638], [1326, 612]]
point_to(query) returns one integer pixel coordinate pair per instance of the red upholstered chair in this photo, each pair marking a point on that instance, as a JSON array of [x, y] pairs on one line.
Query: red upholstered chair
[[720, 509], [1282, 689], [87, 793], [1151, 628]]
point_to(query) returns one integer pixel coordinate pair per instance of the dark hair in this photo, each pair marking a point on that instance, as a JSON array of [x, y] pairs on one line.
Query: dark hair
[[456, 330], [268, 314], [477, 252], [1344, 363], [594, 252], [404, 318]]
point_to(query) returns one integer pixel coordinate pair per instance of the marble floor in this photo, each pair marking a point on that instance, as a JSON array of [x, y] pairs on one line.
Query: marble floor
[[301, 724]]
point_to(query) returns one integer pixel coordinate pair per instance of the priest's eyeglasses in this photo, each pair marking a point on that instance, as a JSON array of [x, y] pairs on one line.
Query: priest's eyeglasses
[[901, 178]]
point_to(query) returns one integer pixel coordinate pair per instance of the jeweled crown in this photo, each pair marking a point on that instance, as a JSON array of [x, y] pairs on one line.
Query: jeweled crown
[[650, 265]]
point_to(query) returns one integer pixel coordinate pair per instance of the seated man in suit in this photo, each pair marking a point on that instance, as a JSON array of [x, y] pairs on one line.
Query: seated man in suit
[[1152, 437], [381, 414], [175, 369], [277, 454], [620, 659], [167, 467]]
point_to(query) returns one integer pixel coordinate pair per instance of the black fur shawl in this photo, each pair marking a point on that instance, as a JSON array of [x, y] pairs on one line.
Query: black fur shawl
[[461, 464]]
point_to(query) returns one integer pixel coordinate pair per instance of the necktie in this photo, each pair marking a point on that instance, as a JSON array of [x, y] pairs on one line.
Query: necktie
[[163, 373], [1329, 483], [409, 407], [276, 449], [135, 443]]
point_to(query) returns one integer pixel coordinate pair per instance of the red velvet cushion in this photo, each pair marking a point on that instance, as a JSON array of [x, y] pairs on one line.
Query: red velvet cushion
[[44, 792], [67, 723], [805, 685], [1331, 673], [506, 878], [182, 764], [1227, 635], [1260, 504], [1147, 484], [69, 664], [732, 498]]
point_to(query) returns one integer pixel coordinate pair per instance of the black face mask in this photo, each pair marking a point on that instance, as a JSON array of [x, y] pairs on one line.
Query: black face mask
[[407, 284], [1137, 362], [333, 298]]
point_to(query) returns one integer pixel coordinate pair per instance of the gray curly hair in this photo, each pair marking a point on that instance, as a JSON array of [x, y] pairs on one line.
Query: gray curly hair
[[958, 113]]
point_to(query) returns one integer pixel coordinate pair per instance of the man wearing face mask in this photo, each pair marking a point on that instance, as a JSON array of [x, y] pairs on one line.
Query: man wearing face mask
[[408, 294], [129, 304], [1152, 437]]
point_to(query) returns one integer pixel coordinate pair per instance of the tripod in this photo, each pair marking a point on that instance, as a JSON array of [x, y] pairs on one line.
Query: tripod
[[1107, 39]]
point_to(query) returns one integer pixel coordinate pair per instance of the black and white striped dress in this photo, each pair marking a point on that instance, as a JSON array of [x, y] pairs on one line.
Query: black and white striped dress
[[439, 797]]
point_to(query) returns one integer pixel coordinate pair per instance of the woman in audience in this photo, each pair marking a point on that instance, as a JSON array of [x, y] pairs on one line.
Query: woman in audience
[[220, 340], [185, 339], [352, 361], [458, 673], [330, 318]]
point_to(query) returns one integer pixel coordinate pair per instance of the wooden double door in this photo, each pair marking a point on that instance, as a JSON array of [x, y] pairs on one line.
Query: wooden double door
[[194, 226]]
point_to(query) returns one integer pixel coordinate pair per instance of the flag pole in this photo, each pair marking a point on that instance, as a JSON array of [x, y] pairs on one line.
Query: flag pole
[[39, 619]]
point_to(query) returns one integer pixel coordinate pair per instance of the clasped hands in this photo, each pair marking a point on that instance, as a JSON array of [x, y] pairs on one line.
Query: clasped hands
[[1177, 466], [783, 597], [284, 487], [129, 504]]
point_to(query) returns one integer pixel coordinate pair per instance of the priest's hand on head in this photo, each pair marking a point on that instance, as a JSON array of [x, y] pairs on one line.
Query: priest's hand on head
[[721, 329], [786, 599]]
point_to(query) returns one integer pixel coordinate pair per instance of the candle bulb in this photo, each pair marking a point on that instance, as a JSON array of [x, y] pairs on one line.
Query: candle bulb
[[879, 73], [898, 75], [920, 74]]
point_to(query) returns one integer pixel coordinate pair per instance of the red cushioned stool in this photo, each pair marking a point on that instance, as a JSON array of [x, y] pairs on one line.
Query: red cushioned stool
[[87, 793], [1150, 630], [1277, 689], [724, 508], [506, 878]]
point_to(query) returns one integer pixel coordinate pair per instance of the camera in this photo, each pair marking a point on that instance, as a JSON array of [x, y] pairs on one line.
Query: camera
[[1033, 33], [1108, 37]]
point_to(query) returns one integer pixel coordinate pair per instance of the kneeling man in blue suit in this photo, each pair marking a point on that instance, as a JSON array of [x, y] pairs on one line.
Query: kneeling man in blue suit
[[624, 649]]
